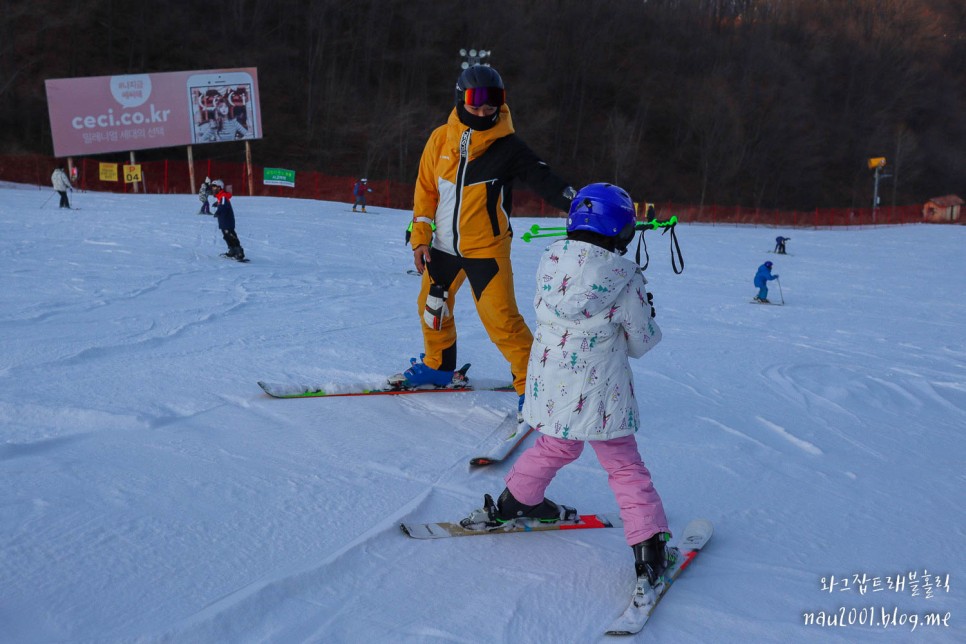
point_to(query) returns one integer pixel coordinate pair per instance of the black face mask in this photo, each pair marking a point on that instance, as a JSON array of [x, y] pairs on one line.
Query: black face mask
[[478, 123]]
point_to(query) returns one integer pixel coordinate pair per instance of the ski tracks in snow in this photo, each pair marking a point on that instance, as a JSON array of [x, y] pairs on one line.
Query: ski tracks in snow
[[320, 598], [761, 442], [795, 441]]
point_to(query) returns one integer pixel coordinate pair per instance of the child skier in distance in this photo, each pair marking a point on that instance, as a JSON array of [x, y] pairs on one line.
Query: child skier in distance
[[203, 195], [593, 312], [762, 277], [226, 220], [359, 193], [780, 244]]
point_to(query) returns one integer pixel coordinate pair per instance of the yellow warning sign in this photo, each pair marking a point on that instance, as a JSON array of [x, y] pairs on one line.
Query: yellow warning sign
[[107, 171], [132, 173]]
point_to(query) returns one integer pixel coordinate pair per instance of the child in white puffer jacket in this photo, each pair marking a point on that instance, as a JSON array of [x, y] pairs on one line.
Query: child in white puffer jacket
[[593, 314]]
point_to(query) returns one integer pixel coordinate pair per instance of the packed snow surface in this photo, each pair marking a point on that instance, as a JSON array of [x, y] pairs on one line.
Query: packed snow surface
[[153, 492]]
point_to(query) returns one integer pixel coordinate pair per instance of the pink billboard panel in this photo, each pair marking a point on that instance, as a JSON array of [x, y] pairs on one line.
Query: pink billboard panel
[[100, 114]]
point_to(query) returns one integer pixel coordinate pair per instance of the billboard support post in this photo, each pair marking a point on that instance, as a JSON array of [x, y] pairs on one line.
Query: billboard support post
[[134, 184], [248, 168], [191, 169]]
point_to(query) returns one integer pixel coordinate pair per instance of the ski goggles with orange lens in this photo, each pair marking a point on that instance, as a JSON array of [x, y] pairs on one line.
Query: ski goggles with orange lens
[[480, 96]]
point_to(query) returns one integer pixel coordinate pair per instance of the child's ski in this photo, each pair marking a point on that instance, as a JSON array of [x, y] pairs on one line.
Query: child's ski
[[444, 530], [646, 598]]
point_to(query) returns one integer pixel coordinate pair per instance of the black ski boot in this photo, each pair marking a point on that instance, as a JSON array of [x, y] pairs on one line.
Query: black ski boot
[[651, 557], [508, 508], [492, 515]]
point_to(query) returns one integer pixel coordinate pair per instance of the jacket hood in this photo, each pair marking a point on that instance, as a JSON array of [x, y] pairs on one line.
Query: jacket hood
[[579, 280]]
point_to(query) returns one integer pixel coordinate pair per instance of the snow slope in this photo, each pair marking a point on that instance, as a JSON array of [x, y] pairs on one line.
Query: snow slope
[[152, 492]]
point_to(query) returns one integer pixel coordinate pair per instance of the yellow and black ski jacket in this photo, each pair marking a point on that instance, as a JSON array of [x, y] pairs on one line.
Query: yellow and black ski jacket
[[465, 187]]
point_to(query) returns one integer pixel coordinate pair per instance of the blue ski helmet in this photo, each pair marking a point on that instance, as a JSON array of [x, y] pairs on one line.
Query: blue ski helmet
[[768, 264], [605, 209]]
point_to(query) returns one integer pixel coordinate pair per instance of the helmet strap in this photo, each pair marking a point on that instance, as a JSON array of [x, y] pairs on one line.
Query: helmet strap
[[624, 237]]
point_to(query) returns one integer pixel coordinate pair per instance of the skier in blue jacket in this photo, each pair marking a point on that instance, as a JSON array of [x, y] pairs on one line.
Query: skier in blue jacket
[[226, 220], [762, 277]]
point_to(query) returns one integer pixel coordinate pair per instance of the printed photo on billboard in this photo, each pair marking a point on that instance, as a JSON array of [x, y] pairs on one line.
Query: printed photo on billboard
[[101, 114], [221, 106]]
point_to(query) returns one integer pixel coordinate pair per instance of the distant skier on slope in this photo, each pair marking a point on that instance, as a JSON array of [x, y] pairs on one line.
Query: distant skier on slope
[[593, 313], [61, 185], [203, 195], [226, 220], [762, 277], [780, 244], [359, 193]]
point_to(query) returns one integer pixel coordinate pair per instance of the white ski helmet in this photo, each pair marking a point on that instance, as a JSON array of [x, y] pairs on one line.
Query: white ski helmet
[[218, 183]]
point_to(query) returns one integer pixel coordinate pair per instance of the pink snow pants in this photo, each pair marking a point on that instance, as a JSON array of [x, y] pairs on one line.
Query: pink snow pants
[[640, 506]]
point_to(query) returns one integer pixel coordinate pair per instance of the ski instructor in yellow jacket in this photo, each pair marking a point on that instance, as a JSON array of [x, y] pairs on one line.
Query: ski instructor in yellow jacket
[[461, 227]]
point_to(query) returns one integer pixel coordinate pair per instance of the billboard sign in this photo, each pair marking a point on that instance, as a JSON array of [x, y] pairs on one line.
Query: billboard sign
[[101, 114]]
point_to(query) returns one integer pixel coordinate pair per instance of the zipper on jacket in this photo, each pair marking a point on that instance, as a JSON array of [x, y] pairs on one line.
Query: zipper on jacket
[[460, 179]]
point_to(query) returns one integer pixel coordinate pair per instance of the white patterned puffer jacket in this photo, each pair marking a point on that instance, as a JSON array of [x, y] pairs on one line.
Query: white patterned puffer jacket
[[592, 314]]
